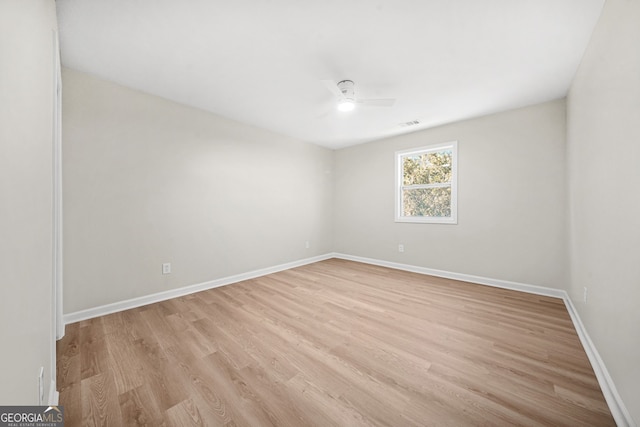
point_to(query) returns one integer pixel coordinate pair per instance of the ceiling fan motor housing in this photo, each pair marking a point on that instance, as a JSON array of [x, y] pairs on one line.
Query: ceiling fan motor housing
[[346, 87]]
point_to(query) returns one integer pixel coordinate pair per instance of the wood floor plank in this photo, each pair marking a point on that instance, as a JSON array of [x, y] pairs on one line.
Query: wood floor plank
[[125, 367], [68, 369], [326, 408], [165, 384], [139, 407], [93, 349], [186, 414], [334, 343], [100, 405], [205, 391]]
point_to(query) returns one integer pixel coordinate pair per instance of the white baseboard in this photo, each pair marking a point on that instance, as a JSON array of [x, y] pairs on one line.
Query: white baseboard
[[187, 290], [538, 290], [616, 405], [618, 410]]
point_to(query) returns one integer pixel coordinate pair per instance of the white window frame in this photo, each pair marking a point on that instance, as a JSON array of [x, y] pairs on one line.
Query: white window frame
[[453, 219]]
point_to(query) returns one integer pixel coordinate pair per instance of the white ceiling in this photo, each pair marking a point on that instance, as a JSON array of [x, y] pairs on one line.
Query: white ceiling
[[262, 62]]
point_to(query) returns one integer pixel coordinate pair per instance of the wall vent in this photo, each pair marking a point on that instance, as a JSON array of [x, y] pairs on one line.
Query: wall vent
[[411, 123]]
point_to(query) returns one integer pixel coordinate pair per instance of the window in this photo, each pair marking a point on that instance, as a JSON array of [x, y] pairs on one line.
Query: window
[[426, 184]]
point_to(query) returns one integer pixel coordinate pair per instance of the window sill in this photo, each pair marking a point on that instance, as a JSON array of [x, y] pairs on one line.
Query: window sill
[[427, 220]]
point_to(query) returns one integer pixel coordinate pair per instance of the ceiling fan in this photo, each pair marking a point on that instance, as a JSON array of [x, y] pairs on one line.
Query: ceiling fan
[[344, 91]]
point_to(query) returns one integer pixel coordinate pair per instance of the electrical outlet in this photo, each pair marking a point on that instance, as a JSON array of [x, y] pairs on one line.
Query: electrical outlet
[[584, 295], [400, 248], [166, 268], [307, 245]]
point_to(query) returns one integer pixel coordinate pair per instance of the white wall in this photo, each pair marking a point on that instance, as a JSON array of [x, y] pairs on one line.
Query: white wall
[[148, 181], [511, 199], [26, 146], [604, 177]]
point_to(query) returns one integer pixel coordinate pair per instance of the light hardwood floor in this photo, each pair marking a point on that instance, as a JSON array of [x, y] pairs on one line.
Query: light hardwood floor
[[335, 343]]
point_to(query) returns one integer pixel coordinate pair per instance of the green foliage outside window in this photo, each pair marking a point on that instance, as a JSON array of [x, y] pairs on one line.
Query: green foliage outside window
[[432, 169]]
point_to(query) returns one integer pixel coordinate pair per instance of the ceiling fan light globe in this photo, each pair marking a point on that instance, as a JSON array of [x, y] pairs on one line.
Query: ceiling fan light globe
[[346, 105]]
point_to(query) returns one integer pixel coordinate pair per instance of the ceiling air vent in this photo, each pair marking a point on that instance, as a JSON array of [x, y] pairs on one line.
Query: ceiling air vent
[[411, 123]]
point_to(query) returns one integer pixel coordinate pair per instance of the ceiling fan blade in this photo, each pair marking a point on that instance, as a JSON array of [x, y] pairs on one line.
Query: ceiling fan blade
[[332, 87], [382, 102]]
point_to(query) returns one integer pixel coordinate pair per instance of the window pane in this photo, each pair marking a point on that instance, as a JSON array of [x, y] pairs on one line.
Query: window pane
[[427, 168], [433, 202]]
